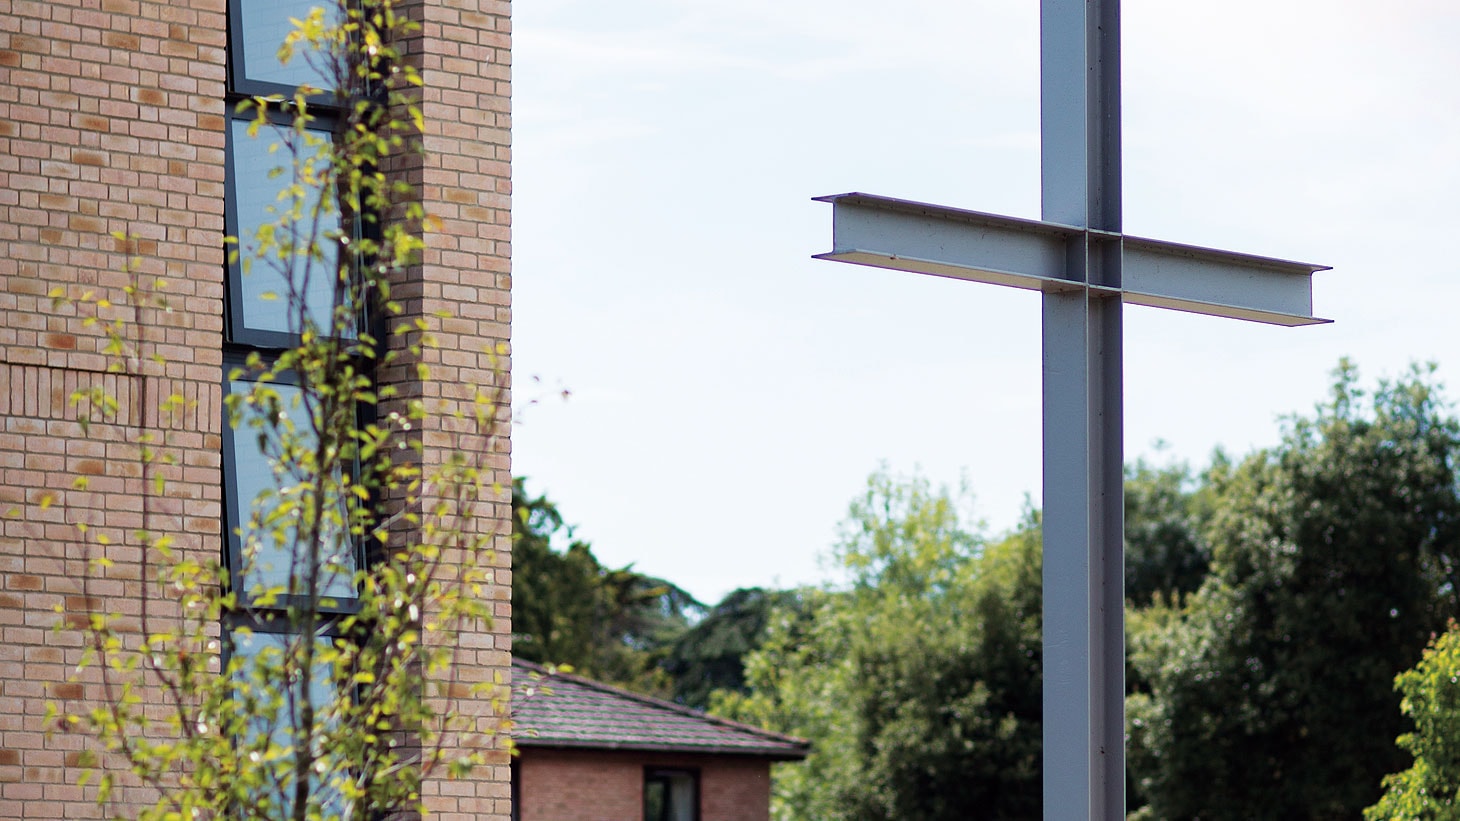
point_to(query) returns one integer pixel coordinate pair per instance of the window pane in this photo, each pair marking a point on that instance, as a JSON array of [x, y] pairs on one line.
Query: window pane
[[655, 795], [265, 24], [264, 288], [274, 562], [272, 647], [682, 797], [671, 795], [263, 656]]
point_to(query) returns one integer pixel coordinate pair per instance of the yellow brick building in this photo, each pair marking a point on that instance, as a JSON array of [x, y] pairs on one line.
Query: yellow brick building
[[114, 119]]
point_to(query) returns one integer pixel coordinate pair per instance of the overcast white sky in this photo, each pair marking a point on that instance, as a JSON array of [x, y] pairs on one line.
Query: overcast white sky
[[730, 395]]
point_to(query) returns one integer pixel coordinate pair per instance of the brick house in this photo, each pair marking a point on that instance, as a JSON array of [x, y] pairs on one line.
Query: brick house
[[592, 752], [117, 117]]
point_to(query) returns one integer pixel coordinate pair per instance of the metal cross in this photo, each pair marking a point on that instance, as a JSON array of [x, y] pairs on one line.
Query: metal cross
[[1085, 268]]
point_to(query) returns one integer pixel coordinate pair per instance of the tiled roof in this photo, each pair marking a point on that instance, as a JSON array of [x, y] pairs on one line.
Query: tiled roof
[[562, 710]]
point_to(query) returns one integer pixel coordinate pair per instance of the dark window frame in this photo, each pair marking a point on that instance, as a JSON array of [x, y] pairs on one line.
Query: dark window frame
[[662, 774], [236, 508], [271, 623], [328, 111], [236, 330], [240, 84]]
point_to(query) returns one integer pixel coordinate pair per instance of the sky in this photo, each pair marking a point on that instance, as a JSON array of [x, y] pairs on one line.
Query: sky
[[728, 396]]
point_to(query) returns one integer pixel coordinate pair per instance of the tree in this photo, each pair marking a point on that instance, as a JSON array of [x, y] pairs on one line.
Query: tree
[[555, 595], [618, 625], [610, 624], [330, 693], [918, 682], [710, 655], [1165, 555], [1430, 789], [1333, 561]]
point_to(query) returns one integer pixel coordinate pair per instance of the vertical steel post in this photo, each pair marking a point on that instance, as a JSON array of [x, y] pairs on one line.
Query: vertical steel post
[[1084, 670], [1084, 576]]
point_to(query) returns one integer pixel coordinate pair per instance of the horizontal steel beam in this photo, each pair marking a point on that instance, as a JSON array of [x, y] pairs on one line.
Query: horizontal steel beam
[[949, 242]]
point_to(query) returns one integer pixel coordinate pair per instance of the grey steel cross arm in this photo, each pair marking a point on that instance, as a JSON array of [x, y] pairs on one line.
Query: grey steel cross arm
[[884, 232]]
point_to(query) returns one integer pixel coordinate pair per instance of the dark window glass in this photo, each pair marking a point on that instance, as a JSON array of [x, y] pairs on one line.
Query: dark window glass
[[251, 472], [671, 795], [260, 168], [251, 645], [259, 28]]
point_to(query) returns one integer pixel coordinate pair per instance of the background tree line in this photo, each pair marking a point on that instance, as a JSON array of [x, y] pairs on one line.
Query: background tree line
[[619, 625], [1272, 600]]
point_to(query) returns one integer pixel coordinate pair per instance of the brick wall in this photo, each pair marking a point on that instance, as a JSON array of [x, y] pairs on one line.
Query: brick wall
[[592, 785], [462, 287], [111, 120]]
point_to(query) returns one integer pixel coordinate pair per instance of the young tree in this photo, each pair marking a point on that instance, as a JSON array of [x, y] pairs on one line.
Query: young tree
[[1430, 789], [309, 673]]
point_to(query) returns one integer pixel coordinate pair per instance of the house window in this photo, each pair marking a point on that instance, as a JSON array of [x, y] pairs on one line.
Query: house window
[[671, 795], [264, 642], [273, 182]]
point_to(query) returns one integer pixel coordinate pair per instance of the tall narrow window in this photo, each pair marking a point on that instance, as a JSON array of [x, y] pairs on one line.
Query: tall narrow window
[[274, 180], [264, 483], [291, 558], [256, 29], [284, 282]]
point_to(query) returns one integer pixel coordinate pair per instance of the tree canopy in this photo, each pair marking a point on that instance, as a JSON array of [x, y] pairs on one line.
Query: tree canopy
[[1166, 553], [1271, 601], [1430, 789], [918, 680], [710, 655], [613, 624], [1332, 563]]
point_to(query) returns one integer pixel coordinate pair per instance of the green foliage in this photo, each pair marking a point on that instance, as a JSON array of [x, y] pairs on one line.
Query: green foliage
[[1333, 561], [568, 609], [1165, 554], [710, 655], [310, 708], [918, 682], [1430, 789]]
